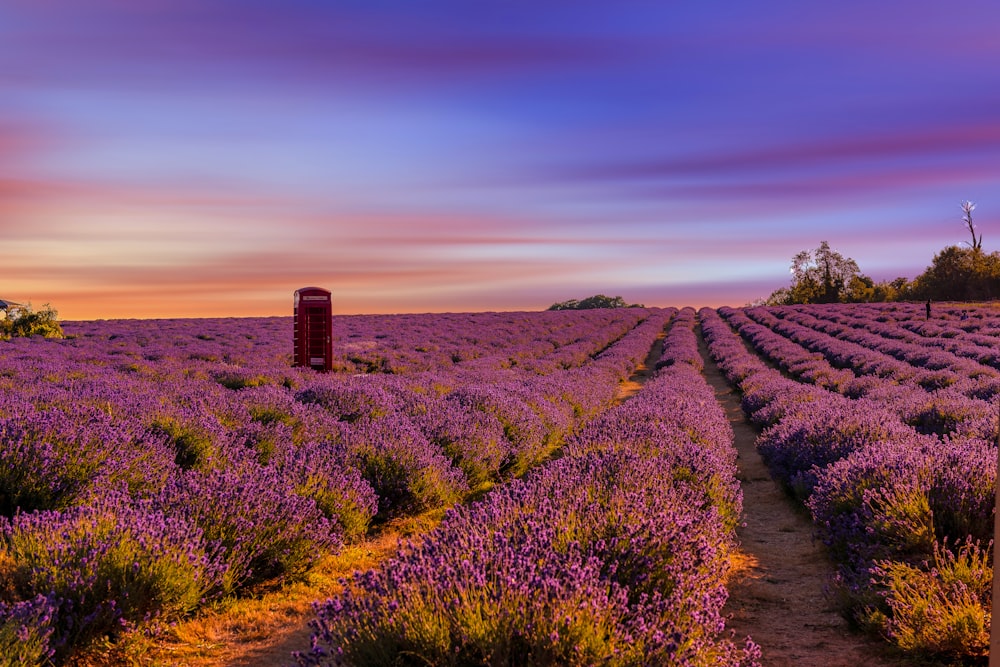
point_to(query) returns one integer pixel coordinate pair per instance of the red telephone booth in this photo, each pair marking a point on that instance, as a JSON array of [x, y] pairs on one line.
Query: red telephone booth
[[313, 324]]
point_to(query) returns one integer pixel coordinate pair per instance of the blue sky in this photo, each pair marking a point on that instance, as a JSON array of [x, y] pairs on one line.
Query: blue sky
[[181, 159]]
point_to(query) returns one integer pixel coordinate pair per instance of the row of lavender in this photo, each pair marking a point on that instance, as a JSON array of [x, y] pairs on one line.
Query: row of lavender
[[614, 554], [904, 505], [147, 467], [933, 400], [934, 389], [400, 344], [967, 331]]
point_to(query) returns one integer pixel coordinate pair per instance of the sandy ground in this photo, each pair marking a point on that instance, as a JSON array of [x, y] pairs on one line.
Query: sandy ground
[[777, 591]]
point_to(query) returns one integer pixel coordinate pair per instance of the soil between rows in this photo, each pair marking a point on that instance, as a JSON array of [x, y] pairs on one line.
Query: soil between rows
[[776, 591]]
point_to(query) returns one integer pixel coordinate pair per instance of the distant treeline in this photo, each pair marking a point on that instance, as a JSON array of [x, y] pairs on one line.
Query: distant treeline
[[955, 274], [596, 301]]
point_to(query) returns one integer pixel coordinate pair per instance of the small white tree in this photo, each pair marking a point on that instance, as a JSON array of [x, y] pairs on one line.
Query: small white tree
[[967, 208]]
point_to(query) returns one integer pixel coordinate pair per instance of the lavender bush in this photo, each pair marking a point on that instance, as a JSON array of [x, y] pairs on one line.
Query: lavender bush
[[802, 444], [940, 606], [621, 568], [50, 458], [99, 566], [26, 630], [252, 521], [406, 471], [319, 471]]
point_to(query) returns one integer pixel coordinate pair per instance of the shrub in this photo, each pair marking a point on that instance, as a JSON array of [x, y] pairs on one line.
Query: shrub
[[319, 471], [348, 399], [820, 433], [104, 564], [193, 446], [596, 301], [263, 528], [894, 502], [941, 606], [50, 459], [408, 473], [26, 631], [29, 323], [522, 426], [474, 440]]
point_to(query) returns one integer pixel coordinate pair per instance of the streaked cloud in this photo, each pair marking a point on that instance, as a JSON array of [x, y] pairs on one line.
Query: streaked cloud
[[199, 158]]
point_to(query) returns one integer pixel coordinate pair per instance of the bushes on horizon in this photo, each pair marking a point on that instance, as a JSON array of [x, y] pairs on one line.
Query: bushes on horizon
[[596, 301], [27, 322], [959, 274], [824, 275]]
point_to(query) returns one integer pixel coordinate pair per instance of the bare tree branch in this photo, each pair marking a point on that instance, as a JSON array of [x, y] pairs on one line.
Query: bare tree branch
[[967, 208]]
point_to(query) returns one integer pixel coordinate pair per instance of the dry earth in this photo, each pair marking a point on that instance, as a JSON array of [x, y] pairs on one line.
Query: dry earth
[[776, 593]]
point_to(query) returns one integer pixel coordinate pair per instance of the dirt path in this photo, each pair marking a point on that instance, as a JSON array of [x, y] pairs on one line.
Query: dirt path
[[643, 371], [776, 593]]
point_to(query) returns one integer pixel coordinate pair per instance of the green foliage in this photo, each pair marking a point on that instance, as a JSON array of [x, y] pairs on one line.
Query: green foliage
[[959, 274], [336, 503], [25, 634], [596, 301], [239, 378], [193, 446], [941, 607], [403, 485], [26, 322], [901, 516], [824, 275]]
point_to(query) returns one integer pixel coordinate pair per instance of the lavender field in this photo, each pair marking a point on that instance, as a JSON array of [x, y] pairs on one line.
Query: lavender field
[[149, 468]]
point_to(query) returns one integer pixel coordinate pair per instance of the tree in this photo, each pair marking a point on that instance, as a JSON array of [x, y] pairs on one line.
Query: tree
[[824, 276], [596, 301], [959, 274], [29, 323], [967, 208], [894, 290]]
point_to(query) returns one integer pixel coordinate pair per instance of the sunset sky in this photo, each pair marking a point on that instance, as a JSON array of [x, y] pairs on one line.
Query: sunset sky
[[190, 158]]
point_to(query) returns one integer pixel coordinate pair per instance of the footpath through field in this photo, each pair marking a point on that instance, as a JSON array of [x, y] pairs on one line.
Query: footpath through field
[[776, 592]]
